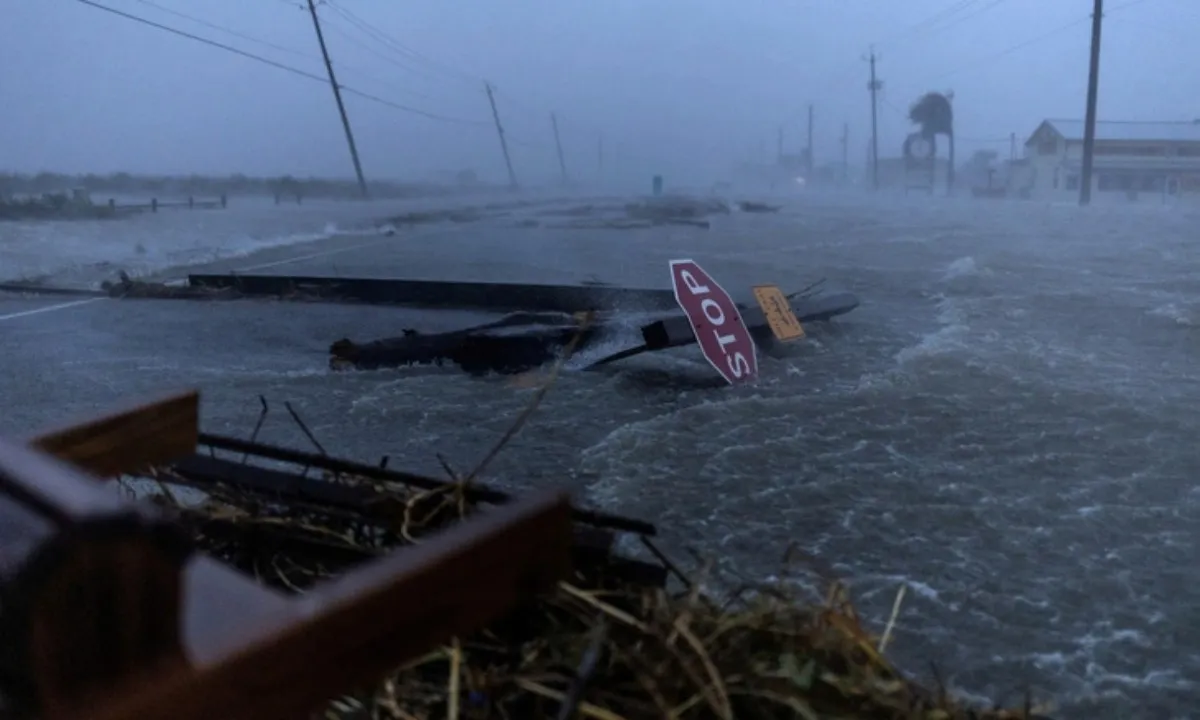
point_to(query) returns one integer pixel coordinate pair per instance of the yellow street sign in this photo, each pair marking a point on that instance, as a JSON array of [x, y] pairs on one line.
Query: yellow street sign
[[778, 311]]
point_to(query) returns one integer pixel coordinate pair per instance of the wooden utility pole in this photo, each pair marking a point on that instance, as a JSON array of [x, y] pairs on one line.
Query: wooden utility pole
[[1012, 146], [512, 176], [562, 165], [600, 155], [808, 162], [845, 153], [874, 86], [779, 146], [1089, 123], [337, 95]]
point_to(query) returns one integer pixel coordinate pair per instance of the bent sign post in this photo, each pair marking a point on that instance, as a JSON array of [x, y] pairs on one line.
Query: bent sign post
[[716, 322]]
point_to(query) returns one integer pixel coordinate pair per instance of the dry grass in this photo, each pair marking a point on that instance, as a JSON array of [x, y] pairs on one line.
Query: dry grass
[[605, 650]]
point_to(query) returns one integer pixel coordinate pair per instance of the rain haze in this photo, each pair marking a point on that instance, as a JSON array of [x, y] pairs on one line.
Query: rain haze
[[994, 403], [681, 88]]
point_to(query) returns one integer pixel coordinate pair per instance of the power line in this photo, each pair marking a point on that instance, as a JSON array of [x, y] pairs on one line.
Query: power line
[[399, 47], [409, 55], [1013, 48], [848, 71], [1032, 41], [929, 22], [235, 33], [339, 31], [386, 57], [291, 51], [279, 65], [972, 16]]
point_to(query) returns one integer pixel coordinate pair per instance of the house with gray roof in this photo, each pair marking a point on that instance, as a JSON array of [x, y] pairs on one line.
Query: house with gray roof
[[1132, 161]]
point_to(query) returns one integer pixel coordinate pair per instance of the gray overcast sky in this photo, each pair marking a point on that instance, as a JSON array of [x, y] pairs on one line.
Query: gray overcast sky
[[683, 87]]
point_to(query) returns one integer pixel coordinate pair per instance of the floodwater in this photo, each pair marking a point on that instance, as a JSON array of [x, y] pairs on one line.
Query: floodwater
[[1007, 425]]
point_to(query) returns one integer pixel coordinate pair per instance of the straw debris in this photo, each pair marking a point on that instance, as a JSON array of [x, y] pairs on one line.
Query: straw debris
[[597, 647]]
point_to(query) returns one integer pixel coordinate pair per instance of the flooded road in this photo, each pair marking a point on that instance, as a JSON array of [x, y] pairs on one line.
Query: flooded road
[[1007, 424]]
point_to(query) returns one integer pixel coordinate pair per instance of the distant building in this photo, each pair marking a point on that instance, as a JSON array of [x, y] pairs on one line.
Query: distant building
[[1132, 161]]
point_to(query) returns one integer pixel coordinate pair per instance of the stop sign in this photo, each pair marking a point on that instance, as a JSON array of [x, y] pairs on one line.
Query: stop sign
[[716, 322]]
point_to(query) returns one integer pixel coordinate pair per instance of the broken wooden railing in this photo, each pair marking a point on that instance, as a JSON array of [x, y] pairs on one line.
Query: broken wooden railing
[[235, 467], [107, 612]]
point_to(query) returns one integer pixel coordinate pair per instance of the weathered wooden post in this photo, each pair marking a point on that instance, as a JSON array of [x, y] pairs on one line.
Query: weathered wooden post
[[106, 611]]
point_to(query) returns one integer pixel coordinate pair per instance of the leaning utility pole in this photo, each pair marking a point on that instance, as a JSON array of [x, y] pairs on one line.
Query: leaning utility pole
[[1089, 123], [808, 163], [874, 86], [562, 165], [845, 153], [337, 95], [512, 176]]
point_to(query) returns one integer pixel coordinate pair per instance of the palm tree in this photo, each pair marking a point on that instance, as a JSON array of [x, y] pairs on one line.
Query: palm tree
[[936, 117]]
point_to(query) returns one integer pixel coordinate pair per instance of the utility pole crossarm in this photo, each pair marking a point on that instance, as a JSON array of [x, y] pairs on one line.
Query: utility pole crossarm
[[337, 95]]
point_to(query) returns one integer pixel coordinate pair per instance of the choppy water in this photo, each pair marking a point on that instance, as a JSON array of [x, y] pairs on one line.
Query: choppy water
[[1008, 425], [87, 251]]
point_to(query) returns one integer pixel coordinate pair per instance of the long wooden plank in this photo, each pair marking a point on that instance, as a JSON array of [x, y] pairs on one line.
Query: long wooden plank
[[488, 296], [129, 440], [369, 622]]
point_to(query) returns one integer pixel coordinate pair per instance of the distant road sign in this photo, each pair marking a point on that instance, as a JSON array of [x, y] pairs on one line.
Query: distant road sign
[[716, 322]]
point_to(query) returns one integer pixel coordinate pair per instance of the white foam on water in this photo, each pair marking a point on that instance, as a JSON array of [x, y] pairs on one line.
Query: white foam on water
[[85, 252], [950, 336], [963, 267], [1185, 316], [85, 257]]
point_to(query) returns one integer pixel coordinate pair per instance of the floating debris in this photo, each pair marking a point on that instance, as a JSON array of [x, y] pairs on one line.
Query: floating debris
[[757, 207], [616, 640], [612, 638]]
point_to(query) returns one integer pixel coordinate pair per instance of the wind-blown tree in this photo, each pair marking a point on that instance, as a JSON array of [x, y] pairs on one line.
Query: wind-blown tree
[[935, 116]]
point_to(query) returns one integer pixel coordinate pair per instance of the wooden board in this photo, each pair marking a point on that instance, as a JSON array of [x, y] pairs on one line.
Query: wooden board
[[778, 312], [129, 440], [354, 630]]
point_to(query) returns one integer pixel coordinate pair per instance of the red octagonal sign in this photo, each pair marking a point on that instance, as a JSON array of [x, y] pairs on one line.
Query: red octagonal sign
[[716, 322]]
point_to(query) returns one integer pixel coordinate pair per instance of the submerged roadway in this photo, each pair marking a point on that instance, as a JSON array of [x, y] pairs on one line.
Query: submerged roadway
[[1007, 424]]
